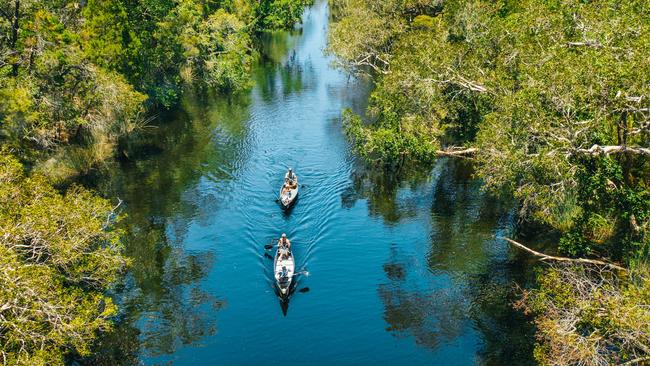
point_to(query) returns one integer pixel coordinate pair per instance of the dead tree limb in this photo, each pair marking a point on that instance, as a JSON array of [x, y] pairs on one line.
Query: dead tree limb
[[457, 151], [111, 214], [586, 43], [636, 361], [546, 257], [614, 149]]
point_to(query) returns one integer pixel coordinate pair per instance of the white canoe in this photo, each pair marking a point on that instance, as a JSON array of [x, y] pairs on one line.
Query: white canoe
[[287, 198], [284, 271]]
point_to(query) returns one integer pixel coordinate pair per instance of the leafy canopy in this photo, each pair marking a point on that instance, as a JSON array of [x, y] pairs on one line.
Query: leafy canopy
[[58, 256]]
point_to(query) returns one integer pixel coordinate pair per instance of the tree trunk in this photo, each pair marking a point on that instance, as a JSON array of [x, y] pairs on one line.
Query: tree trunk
[[617, 149]]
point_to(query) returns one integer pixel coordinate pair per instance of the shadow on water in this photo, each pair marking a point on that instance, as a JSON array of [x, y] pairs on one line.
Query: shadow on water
[[285, 299], [286, 211]]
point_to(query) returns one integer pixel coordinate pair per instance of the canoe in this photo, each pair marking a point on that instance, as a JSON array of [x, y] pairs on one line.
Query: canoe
[[289, 197], [284, 271]]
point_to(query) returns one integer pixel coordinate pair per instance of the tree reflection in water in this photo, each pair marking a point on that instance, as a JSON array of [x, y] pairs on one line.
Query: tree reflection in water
[[162, 304], [466, 280], [381, 190], [430, 317]]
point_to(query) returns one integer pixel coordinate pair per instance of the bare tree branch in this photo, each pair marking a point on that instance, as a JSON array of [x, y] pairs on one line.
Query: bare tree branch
[[615, 149], [587, 43], [112, 213], [546, 257], [457, 151]]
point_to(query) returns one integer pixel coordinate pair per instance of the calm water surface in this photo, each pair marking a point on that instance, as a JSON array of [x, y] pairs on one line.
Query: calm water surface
[[402, 270]]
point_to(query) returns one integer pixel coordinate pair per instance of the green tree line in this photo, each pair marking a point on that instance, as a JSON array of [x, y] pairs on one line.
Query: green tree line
[[552, 101], [76, 79]]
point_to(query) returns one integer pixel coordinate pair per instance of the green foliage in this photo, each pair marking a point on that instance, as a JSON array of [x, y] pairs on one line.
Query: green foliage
[[218, 53], [385, 145], [420, 95], [162, 45], [52, 96], [57, 258], [554, 97], [590, 317], [611, 210], [575, 71], [280, 14], [533, 85], [74, 78]]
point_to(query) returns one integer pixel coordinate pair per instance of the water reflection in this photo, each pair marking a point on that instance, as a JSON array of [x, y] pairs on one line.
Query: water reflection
[[182, 312], [385, 193], [430, 317], [280, 70], [170, 182], [465, 281]]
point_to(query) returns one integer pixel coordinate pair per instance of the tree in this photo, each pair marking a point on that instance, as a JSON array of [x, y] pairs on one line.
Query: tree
[[58, 255], [552, 100], [544, 95], [588, 316]]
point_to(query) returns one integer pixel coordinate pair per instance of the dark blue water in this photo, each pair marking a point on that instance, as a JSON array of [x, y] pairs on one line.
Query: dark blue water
[[404, 270]]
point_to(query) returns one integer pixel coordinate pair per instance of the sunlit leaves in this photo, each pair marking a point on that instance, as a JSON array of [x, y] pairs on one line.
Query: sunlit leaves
[[590, 317], [57, 258], [532, 84]]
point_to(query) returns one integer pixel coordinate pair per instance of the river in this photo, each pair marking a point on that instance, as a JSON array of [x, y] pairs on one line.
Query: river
[[404, 270]]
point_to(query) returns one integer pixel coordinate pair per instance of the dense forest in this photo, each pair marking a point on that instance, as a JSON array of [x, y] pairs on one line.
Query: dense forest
[[76, 79], [551, 100]]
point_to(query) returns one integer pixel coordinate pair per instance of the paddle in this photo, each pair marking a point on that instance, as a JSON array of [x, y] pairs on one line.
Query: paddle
[[304, 289], [270, 246], [306, 273]]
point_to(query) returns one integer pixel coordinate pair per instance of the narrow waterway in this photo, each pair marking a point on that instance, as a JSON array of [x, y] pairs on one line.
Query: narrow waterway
[[402, 270]]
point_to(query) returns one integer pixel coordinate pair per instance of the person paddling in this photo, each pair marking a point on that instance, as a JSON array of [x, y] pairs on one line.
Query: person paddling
[[290, 177], [284, 246], [284, 242], [289, 181]]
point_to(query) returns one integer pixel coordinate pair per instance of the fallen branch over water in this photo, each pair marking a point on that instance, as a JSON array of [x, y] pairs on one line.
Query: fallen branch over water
[[545, 257], [457, 151]]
